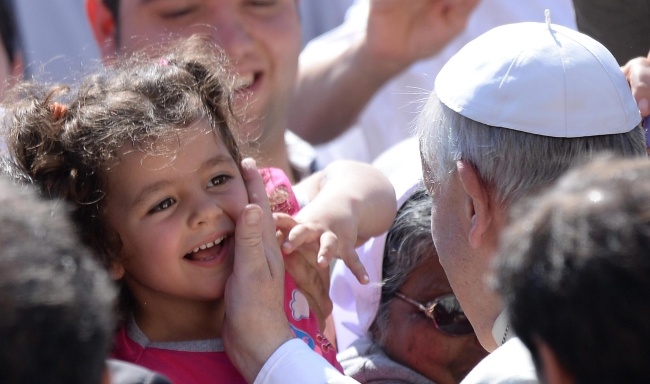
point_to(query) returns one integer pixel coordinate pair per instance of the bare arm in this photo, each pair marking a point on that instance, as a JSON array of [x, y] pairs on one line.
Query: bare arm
[[330, 93]]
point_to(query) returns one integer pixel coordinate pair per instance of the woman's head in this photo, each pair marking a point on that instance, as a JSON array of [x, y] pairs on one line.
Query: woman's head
[[67, 140], [412, 273]]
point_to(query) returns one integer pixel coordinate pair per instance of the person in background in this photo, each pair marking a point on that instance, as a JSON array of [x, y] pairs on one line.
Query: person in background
[[262, 40], [420, 334], [57, 302], [581, 250]]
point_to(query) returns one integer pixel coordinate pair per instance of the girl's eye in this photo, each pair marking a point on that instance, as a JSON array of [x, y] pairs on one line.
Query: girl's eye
[[218, 180], [165, 204]]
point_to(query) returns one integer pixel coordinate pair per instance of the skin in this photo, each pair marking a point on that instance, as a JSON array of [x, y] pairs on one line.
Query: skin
[[261, 38], [198, 195], [10, 73], [414, 341], [465, 225]]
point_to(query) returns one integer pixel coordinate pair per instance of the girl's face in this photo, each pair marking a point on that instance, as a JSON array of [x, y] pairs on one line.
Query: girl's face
[[175, 215]]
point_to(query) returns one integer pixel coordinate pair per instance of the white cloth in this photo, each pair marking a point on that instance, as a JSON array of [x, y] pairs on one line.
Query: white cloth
[[387, 119], [511, 363], [355, 305], [367, 362], [295, 362]]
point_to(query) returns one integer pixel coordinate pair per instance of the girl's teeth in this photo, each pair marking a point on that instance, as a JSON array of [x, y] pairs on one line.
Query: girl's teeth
[[208, 245]]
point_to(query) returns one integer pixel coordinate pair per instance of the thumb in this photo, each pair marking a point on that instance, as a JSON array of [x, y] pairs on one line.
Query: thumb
[[249, 247]]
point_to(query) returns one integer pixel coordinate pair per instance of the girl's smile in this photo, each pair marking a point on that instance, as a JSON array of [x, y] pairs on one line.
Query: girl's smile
[[174, 211]]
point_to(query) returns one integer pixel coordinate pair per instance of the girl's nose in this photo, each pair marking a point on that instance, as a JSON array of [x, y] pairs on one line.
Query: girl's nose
[[205, 210]]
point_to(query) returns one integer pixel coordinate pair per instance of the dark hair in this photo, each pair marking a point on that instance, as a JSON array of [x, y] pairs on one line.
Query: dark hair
[[408, 245], [66, 141], [574, 271], [9, 30], [56, 322]]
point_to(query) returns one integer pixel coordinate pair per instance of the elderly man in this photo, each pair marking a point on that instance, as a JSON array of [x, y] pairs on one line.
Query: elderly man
[[503, 127], [510, 113]]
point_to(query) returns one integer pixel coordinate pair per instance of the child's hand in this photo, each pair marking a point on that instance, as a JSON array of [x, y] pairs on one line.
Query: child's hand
[[332, 232]]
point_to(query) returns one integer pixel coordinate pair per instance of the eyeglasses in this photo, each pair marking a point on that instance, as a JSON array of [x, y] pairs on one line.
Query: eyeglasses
[[446, 313]]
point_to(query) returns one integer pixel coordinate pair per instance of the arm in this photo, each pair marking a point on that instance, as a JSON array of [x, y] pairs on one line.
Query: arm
[[398, 33]]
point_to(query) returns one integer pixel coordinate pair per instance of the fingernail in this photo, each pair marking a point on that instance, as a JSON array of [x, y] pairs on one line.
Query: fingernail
[[253, 216], [643, 106], [286, 246]]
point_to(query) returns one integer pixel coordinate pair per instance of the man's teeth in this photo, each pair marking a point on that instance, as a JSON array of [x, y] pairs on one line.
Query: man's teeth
[[208, 245], [243, 81]]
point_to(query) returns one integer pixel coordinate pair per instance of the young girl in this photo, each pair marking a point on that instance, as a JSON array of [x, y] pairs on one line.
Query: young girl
[[145, 153]]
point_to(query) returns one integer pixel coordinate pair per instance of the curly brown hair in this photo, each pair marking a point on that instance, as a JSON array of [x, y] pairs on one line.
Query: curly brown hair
[[65, 141]]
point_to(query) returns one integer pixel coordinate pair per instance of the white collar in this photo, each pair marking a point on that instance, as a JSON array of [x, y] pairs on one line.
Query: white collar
[[501, 331]]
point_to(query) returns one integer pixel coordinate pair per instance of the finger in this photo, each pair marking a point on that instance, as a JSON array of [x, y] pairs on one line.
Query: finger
[[352, 261], [283, 221], [249, 247], [257, 196], [299, 235], [328, 248]]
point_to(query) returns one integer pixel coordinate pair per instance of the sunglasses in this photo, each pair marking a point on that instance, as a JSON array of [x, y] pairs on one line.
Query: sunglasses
[[446, 313]]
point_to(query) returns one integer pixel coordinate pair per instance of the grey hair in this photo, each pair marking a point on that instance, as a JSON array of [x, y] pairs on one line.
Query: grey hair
[[512, 163], [408, 245]]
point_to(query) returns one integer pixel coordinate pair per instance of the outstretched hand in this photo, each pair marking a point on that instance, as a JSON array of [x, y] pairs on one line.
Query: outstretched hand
[[400, 32], [255, 324]]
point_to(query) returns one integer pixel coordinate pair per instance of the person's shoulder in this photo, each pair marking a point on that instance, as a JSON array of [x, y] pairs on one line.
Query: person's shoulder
[[127, 373], [509, 364]]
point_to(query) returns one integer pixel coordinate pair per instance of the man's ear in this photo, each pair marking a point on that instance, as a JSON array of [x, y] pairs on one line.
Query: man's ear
[[117, 270], [478, 207], [552, 371], [103, 26]]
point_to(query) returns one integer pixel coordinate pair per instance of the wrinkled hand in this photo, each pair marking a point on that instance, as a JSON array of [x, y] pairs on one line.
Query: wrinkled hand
[[255, 323], [637, 72], [400, 32]]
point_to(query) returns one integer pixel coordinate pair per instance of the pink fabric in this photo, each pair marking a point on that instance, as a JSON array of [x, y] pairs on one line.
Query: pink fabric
[[183, 367], [302, 320]]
